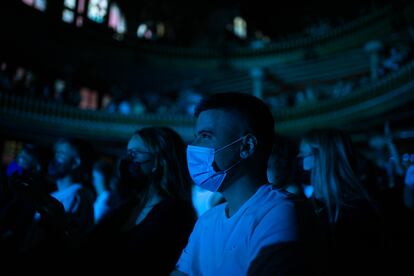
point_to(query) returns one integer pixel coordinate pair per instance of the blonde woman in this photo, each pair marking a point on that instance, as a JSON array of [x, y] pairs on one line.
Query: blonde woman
[[349, 218]]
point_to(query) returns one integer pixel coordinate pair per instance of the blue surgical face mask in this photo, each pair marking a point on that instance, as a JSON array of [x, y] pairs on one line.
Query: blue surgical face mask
[[200, 165]]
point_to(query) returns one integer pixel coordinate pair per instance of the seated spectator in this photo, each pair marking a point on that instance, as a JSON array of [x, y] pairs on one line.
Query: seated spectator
[[352, 222], [66, 169], [31, 221], [257, 227], [152, 225]]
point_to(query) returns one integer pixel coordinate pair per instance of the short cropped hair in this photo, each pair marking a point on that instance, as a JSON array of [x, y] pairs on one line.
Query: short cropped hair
[[250, 109], [83, 150]]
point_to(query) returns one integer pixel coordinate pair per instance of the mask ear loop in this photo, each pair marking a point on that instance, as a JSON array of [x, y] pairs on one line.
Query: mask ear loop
[[232, 166], [232, 143], [238, 162]]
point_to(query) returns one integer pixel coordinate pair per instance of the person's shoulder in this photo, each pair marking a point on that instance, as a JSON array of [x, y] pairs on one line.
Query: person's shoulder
[[299, 204], [275, 195], [274, 204]]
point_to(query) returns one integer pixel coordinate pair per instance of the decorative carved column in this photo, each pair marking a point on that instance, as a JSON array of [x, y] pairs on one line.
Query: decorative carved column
[[373, 48]]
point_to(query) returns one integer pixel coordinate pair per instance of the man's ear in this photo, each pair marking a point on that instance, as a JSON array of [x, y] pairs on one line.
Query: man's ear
[[249, 146], [76, 163]]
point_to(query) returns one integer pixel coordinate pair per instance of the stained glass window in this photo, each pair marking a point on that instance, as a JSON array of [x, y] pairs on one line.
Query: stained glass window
[[116, 19], [239, 27], [97, 10], [73, 11]]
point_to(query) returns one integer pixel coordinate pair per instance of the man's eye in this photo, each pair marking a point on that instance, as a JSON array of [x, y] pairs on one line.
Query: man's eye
[[205, 135]]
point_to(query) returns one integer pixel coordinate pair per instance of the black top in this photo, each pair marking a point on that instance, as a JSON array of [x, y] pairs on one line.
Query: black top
[[355, 243], [154, 245]]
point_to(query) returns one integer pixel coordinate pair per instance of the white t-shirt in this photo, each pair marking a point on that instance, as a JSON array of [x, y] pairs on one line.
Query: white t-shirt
[[220, 245]]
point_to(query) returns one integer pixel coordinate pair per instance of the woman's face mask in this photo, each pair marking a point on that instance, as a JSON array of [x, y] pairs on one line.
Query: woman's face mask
[[137, 166], [131, 174], [200, 162]]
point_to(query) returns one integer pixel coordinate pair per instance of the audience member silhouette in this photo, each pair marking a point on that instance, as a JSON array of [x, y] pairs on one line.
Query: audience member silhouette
[[66, 169], [31, 221], [350, 220], [255, 231], [152, 225]]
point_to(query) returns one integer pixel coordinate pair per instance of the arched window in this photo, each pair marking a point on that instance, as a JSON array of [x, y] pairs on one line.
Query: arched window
[[73, 11], [240, 27], [97, 10], [116, 19]]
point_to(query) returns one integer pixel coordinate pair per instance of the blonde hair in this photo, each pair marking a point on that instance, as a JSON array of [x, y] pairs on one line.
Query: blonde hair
[[334, 176]]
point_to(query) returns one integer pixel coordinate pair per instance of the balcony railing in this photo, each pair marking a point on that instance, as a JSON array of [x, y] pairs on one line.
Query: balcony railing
[[23, 113]]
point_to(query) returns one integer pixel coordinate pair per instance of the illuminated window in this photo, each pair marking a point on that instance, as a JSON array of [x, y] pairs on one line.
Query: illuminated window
[[73, 11], [68, 16], [142, 28], [70, 4], [239, 27], [144, 31], [151, 30], [28, 2], [37, 4], [116, 19], [88, 99], [97, 10]]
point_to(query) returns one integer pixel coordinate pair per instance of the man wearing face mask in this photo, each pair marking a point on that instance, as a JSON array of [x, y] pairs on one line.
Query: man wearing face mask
[[256, 231]]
